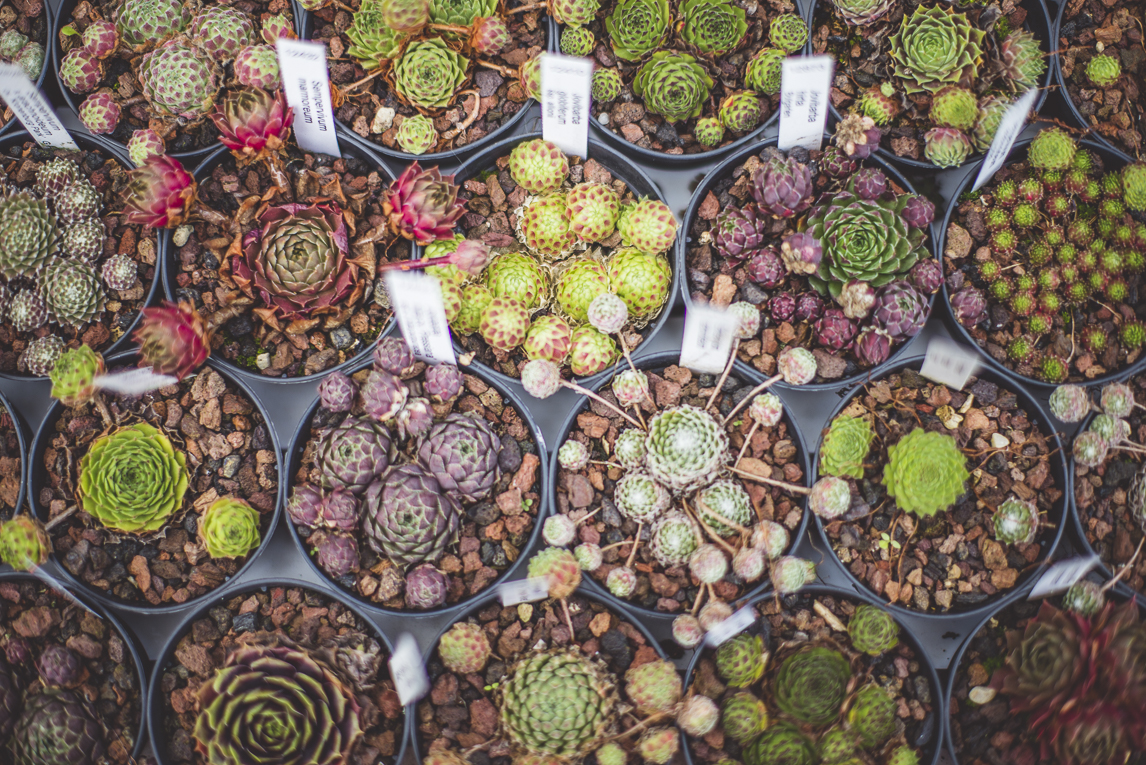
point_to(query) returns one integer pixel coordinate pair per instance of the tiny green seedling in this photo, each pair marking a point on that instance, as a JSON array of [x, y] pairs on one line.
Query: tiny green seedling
[[885, 541]]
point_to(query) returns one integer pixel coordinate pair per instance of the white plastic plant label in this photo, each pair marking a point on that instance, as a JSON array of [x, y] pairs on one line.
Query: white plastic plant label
[[410, 680], [134, 382], [708, 336], [417, 302], [306, 82], [566, 84], [730, 627], [805, 86], [949, 362], [1061, 576], [32, 109], [524, 590], [1012, 123]]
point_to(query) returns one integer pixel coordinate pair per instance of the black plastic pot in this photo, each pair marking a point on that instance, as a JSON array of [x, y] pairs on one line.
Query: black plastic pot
[[19, 426], [641, 186], [50, 26], [133, 648], [658, 361], [485, 601], [439, 157], [37, 479], [931, 744], [1055, 518], [171, 268], [89, 142], [294, 458], [725, 169], [1112, 158], [154, 710], [56, 53], [1038, 22]]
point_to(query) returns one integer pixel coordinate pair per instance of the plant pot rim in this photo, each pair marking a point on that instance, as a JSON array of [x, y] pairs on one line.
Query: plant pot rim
[[22, 440], [50, 24], [292, 460], [1029, 405], [616, 163], [89, 142], [170, 273], [129, 639], [441, 157], [36, 477], [939, 701], [718, 173], [488, 598], [664, 359], [154, 711], [962, 332], [1044, 85]]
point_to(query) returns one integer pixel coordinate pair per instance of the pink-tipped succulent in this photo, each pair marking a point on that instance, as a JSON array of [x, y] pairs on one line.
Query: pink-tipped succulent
[[173, 339], [143, 145], [686, 631], [257, 66], [801, 253], [393, 355], [100, 113], [426, 587], [490, 35], [159, 194], [277, 26], [541, 378], [336, 554], [100, 39], [872, 347], [422, 205], [253, 123], [630, 387], [80, 72], [608, 313], [442, 382]]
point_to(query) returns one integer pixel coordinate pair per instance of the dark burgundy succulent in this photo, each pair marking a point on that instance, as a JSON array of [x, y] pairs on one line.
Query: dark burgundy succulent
[[870, 182], [900, 310], [738, 231], [304, 505], [927, 276], [60, 667], [809, 307], [969, 306], [766, 269], [782, 306], [834, 330], [835, 164], [872, 347], [918, 211], [426, 587]]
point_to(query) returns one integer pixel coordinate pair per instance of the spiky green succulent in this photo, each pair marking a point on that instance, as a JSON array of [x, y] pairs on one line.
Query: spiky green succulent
[[1023, 62], [146, 22], [740, 112], [578, 285], [740, 660], [788, 32], [514, 275], [417, 134], [925, 472], [654, 686], [744, 717], [712, 26], [460, 13], [726, 499], [545, 227], [606, 85], [429, 74], [73, 375], [708, 132], [1052, 149], [28, 234], [229, 528], [873, 630], [179, 80], [1016, 520], [464, 648], [845, 446], [936, 47], [577, 41], [24, 543], [673, 84], [1134, 186], [881, 104], [637, 27], [674, 539], [781, 743], [372, 41], [811, 684], [837, 745], [955, 107], [1103, 70], [872, 715], [946, 147], [685, 447], [764, 70], [640, 279]]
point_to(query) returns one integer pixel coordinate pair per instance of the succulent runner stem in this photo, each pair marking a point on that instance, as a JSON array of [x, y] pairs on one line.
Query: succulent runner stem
[[604, 462], [751, 395], [724, 374], [100, 405], [699, 599], [68, 513], [1125, 568], [568, 618], [504, 70], [449, 28], [355, 85], [708, 530], [639, 726], [527, 8], [747, 440], [731, 524], [771, 481], [586, 392], [590, 515], [470, 118], [637, 543]]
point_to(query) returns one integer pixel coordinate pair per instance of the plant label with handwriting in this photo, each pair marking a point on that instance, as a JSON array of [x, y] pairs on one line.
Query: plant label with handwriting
[[1011, 124], [566, 85], [949, 363], [410, 680], [524, 590], [708, 336], [306, 84], [730, 627], [421, 314], [805, 86], [32, 109]]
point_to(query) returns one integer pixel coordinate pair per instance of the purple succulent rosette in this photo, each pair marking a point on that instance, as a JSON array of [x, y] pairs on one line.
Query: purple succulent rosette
[[833, 256]]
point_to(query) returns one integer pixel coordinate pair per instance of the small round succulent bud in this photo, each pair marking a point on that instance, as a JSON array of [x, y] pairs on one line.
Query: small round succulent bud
[[1117, 400], [559, 531], [708, 132], [797, 365], [630, 387], [337, 392], [801, 253], [1052, 149], [577, 41], [782, 307], [573, 455], [24, 543], [744, 717], [1089, 449], [790, 574], [1016, 521], [740, 660], [708, 564], [606, 84], [608, 313], [997, 218], [416, 135], [464, 648], [1112, 429], [58, 666], [658, 745], [100, 39], [831, 497], [654, 686], [588, 555], [766, 409], [927, 276], [100, 113], [541, 378], [143, 145], [611, 754], [1132, 334], [629, 448], [336, 554], [872, 346], [119, 272], [1103, 70], [770, 538], [880, 104], [11, 42], [1001, 289], [1084, 598], [686, 631], [713, 613], [1021, 348], [698, 715], [766, 269], [621, 581], [1039, 324], [749, 563], [747, 319], [740, 112], [426, 587], [869, 182], [41, 354], [561, 569], [903, 755], [873, 631]]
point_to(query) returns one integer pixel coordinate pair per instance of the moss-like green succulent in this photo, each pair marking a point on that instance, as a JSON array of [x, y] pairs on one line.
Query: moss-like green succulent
[[811, 684], [372, 42], [846, 446], [925, 472], [24, 543], [872, 716], [764, 71], [515, 275], [133, 479], [1103, 70], [740, 660], [674, 85], [838, 745], [460, 13], [744, 716], [229, 528], [781, 743], [873, 631], [637, 27], [429, 74], [1134, 186], [712, 26], [955, 107], [1052, 149], [74, 374]]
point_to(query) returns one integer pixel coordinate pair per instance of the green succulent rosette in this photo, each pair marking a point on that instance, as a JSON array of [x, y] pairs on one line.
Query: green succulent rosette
[[429, 73], [846, 446], [372, 42], [514, 275], [935, 47], [637, 27], [73, 376], [685, 447], [132, 480], [712, 26], [925, 472], [873, 631], [872, 716], [674, 85], [460, 13], [811, 685], [229, 528], [781, 743]]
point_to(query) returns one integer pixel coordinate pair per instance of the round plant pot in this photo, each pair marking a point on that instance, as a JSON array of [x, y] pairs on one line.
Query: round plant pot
[[38, 482], [639, 184], [927, 733], [56, 52], [133, 657], [306, 24], [302, 437], [1055, 517], [49, 61], [488, 609], [18, 427], [1018, 153], [1038, 23], [658, 362], [158, 707], [88, 142], [175, 293], [722, 172]]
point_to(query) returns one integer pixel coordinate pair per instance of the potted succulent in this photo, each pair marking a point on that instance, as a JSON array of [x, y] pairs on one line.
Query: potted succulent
[[500, 674], [24, 31], [280, 669], [1100, 70], [76, 271], [13, 459], [680, 80], [1045, 262], [932, 80], [72, 678], [813, 251], [562, 232], [146, 74], [415, 487], [154, 496], [936, 499], [821, 676], [1051, 681], [415, 77], [678, 491]]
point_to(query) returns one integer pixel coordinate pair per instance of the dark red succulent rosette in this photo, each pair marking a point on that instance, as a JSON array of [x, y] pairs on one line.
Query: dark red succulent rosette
[[34, 20]]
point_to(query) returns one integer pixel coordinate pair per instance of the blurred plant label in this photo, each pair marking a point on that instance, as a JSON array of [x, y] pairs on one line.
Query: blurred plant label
[[524, 590], [32, 109], [1061, 576], [708, 336], [134, 382], [417, 302], [805, 85], [730, 627], [566, 82], [949, 362], [406, 668], [1012, 123], [306, 82]]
